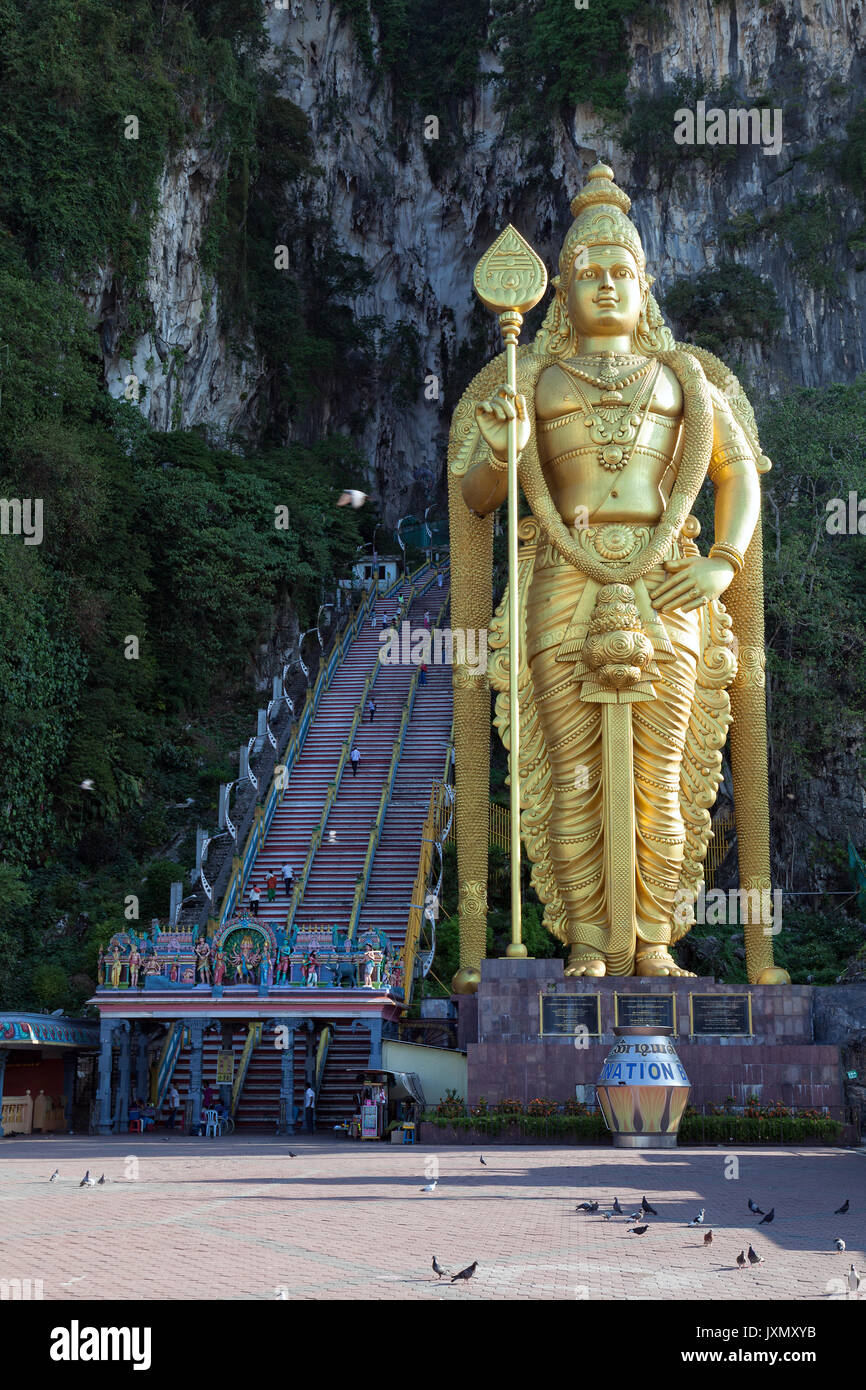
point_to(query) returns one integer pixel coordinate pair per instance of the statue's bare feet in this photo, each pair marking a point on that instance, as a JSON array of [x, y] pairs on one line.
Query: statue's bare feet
[[659, 962], [582, 960]]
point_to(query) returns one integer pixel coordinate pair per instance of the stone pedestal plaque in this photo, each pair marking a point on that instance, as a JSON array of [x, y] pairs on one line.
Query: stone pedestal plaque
[[569, 1015], [645, 1011]]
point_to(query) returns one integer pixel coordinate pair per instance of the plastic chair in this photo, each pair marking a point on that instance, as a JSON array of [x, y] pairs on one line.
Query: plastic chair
[[135, 1127], [212, 1124]]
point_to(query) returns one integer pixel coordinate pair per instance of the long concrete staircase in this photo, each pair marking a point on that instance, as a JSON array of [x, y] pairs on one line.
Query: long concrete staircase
[[339, 861]]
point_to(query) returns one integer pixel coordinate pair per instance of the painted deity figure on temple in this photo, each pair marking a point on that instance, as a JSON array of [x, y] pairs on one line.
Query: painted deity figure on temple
[[626, 651], [116, 967], [100, 966], [134, 966], [203, 965], [219, 972]]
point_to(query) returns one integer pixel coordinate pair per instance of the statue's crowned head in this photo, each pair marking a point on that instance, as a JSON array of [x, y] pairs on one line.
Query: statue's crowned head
[[601, 223]]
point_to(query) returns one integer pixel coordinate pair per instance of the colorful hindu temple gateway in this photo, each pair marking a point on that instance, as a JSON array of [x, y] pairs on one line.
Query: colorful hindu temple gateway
[[254, 1013]]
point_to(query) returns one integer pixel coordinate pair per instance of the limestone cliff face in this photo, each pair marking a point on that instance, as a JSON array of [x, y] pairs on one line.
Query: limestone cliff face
[[421, 237]]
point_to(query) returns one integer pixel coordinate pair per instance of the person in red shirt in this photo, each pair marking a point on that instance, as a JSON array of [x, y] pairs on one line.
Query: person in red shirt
[[272, 886]]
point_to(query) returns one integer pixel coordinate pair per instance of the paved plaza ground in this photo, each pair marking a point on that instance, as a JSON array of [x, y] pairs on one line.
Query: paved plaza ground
[[236, 1218]]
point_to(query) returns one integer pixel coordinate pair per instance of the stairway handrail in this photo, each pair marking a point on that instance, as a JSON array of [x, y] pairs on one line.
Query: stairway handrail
[[167, 1060], [321, 1058], [254, 1033], [419, 890], [333, 789], [343, 640], [376, 831]]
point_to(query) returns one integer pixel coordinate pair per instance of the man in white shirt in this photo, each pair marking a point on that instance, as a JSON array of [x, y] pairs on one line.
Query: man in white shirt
[[355, 759], [255, 896], [288, 878], [173, 1105], [310, 1109]]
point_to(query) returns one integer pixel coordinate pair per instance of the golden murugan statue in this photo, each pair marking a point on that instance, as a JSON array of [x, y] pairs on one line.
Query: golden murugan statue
[[627, 654]]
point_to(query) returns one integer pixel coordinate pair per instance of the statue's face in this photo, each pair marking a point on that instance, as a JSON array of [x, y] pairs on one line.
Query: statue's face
[[604, 297]]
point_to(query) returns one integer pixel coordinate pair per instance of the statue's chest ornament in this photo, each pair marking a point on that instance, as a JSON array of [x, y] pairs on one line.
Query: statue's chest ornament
[[610, 424]]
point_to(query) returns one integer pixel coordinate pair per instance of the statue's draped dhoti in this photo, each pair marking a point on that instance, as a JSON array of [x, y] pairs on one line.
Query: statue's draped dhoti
[[610, 799]]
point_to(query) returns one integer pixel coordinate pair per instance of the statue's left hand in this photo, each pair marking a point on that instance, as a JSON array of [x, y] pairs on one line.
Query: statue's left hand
[[692, 582]]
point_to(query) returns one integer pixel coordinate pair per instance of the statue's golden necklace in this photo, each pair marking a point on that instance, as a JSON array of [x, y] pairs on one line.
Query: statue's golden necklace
[[610, 424]]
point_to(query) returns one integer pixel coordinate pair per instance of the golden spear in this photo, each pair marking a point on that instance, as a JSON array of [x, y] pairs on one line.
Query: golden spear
[[509, 280]]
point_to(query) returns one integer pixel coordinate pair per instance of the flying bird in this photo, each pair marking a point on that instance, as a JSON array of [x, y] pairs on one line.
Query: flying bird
[[638, 1230], [431, 1186], [699, 1219], [854, 1280], [617, 1209], [352, 496], [840, 1245], [87, 1180], [765, 1220], [483, 1164], [645, 1207], [755, 1259], [466, 1273], [437, 1268], [87, 785], [741, 1259], [757, 1210], [55, 1175], [708, 1238], [840, 1211]]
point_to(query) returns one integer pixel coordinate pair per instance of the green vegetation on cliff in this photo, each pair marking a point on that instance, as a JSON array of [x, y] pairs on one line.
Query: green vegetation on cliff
[[159, 537]]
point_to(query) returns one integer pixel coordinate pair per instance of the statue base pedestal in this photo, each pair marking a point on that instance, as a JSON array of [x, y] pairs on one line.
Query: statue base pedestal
[[540, 1033]]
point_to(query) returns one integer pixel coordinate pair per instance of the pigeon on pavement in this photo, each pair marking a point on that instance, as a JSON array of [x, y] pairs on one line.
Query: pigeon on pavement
[[466, 1273], [645, 1207], [699, 1219], [765, 1220], [587, 1206], [741, 1259], [755, 1259], [291, 1155], [638, 1230], [708, 1238], [757, 1210], [635, 1216], [617, 1209], [87, 1180], [431, 1186], [483, 1164], [102, 1181], [840, 1211], [854, 1280], [840, 1245], [437, 1268], [55, 1175]]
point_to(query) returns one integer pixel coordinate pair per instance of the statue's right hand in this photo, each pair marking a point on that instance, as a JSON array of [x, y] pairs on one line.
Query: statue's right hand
[[493, 416]]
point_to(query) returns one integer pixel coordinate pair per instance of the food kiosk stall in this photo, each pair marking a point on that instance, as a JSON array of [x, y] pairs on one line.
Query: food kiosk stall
[[388, 1106]]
